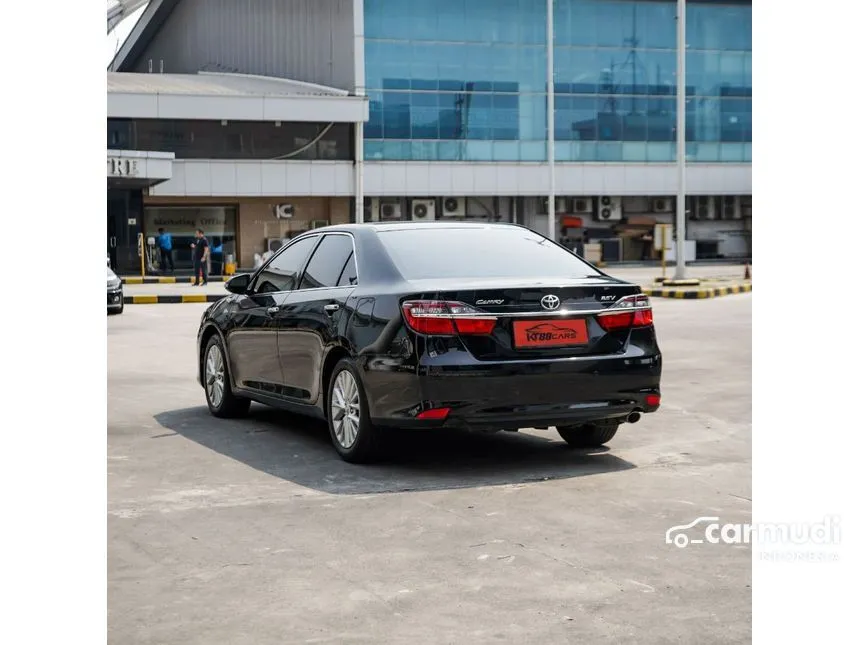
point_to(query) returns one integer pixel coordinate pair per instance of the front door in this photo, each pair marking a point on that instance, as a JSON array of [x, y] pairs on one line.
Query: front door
[[253, 341], [311, 317]]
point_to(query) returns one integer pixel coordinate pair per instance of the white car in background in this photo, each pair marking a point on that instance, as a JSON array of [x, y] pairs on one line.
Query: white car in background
[[114, 292]]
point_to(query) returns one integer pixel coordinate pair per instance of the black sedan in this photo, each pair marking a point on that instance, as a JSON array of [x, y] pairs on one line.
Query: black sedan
[[426, 325]]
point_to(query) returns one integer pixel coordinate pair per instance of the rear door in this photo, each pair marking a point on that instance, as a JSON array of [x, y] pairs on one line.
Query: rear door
[[253, 340], [309, 320]]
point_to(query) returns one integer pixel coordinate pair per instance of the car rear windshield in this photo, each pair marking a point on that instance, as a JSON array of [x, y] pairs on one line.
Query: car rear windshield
[[471, 252]]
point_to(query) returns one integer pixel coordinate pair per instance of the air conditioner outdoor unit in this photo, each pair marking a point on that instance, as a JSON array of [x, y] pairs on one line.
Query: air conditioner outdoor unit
[[273, 244], [561, 205], [703, 208], [283, 211], [730, 208], [454, 207], [581, 205], [609, 209], [385, 210], [663, 205], [423, 210]]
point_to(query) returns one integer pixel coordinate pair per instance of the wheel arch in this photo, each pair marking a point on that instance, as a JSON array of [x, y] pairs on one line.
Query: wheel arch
[[208, 332], [332, 358]]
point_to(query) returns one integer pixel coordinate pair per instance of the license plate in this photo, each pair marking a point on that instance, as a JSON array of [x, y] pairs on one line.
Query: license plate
[[550, 333]]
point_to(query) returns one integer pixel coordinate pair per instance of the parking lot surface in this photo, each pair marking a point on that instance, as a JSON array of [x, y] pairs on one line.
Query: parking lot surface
[[254, 531]]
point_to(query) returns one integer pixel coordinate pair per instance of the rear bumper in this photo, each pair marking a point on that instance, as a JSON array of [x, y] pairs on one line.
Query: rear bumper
[[517, 394]]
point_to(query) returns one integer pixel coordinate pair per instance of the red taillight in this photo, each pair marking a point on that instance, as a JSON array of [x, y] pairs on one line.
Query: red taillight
[[652, 400], [446, 318], [436, 414], [612, 322], [632, 311], [643, 318]]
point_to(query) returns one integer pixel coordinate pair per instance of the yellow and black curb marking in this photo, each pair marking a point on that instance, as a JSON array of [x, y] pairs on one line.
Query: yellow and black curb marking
[[698, 294], [155, 279], [173, 299]]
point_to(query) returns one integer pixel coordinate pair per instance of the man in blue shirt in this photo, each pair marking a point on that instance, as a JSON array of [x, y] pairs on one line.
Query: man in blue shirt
[[165, 246]]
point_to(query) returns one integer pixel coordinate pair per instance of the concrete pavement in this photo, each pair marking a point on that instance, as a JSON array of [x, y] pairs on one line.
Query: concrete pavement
[[255, 532]]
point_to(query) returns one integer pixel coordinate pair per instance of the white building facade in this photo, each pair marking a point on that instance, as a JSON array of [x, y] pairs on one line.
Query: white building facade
[[422, 109]]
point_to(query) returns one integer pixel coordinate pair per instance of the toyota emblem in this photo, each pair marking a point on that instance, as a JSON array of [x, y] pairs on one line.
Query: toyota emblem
[[550, 302]]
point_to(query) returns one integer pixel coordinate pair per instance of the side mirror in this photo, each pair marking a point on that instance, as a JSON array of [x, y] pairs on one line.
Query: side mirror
[[239, 283]]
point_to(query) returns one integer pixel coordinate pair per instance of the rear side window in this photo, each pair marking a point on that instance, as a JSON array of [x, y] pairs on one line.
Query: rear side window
[[349, 275], [491, 252], [328, 262], [281, 273]]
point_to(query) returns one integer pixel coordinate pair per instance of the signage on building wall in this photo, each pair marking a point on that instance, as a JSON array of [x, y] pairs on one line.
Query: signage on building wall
[[216, 220], [118, 167]]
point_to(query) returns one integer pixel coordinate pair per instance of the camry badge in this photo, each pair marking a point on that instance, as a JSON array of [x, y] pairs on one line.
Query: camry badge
[[550, 302]]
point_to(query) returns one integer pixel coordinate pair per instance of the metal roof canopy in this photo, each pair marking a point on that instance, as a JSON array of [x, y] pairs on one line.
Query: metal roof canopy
[[235, 97], [120, 10]]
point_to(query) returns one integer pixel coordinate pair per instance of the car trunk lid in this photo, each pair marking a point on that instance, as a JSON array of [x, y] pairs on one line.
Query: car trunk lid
[[538, 319]]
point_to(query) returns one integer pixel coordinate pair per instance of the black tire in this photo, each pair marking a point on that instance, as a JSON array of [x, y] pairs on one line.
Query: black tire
[[590, 435], [116, 312], [365, 445], [230, 406]]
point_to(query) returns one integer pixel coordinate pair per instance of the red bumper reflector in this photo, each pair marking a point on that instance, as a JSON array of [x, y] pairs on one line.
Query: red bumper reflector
[[436, 414], [652, 400]]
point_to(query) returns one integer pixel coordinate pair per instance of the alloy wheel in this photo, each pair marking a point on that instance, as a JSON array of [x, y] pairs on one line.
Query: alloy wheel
[[345, 409], [215, 375]]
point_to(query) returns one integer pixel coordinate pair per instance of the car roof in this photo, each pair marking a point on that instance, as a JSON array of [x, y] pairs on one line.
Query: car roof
[[408, 225]]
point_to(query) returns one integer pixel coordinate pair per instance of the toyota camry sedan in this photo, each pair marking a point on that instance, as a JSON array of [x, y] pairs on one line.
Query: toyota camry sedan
[[486, 327]]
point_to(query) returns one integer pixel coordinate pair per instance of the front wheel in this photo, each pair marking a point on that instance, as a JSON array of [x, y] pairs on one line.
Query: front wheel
[[590, 435], [353, 435], [222, 402]]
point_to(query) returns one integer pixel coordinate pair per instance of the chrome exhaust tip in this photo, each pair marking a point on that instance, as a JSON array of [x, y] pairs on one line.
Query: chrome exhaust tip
[[633, 417]]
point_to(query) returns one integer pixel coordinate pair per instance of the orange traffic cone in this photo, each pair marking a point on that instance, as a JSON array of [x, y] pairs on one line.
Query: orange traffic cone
[[747, 272]]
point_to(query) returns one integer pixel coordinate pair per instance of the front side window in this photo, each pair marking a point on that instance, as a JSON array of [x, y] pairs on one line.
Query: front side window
[[282, 272]]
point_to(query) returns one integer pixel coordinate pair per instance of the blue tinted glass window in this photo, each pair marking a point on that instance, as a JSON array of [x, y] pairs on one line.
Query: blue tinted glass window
[[466, 79]]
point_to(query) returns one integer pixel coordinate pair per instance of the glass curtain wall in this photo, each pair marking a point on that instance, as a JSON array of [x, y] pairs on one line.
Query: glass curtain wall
[[466, 80], [456, 80], [615, 73]]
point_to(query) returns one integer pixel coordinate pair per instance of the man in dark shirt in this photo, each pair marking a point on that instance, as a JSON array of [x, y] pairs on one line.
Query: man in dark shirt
[[200, 250]]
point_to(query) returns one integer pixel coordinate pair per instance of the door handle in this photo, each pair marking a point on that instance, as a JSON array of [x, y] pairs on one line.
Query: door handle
[[330, 309], [273, 310]]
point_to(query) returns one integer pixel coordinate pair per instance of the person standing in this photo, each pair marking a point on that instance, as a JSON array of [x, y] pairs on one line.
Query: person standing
[[165, 247], [200, 249]]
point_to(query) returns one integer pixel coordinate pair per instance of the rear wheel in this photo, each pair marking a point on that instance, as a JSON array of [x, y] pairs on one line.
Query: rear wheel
[[590, 435], [216, 383], [353, 435]]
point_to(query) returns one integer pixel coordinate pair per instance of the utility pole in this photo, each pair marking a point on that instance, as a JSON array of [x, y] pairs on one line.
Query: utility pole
[[550, 115], [681, 126]]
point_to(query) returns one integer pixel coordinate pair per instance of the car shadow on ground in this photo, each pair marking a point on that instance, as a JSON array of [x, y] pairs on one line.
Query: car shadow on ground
[[299, 450]]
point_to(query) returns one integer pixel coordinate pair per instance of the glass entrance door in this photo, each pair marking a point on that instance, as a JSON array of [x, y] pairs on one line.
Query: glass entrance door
[[124, 224], [218, 224]]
